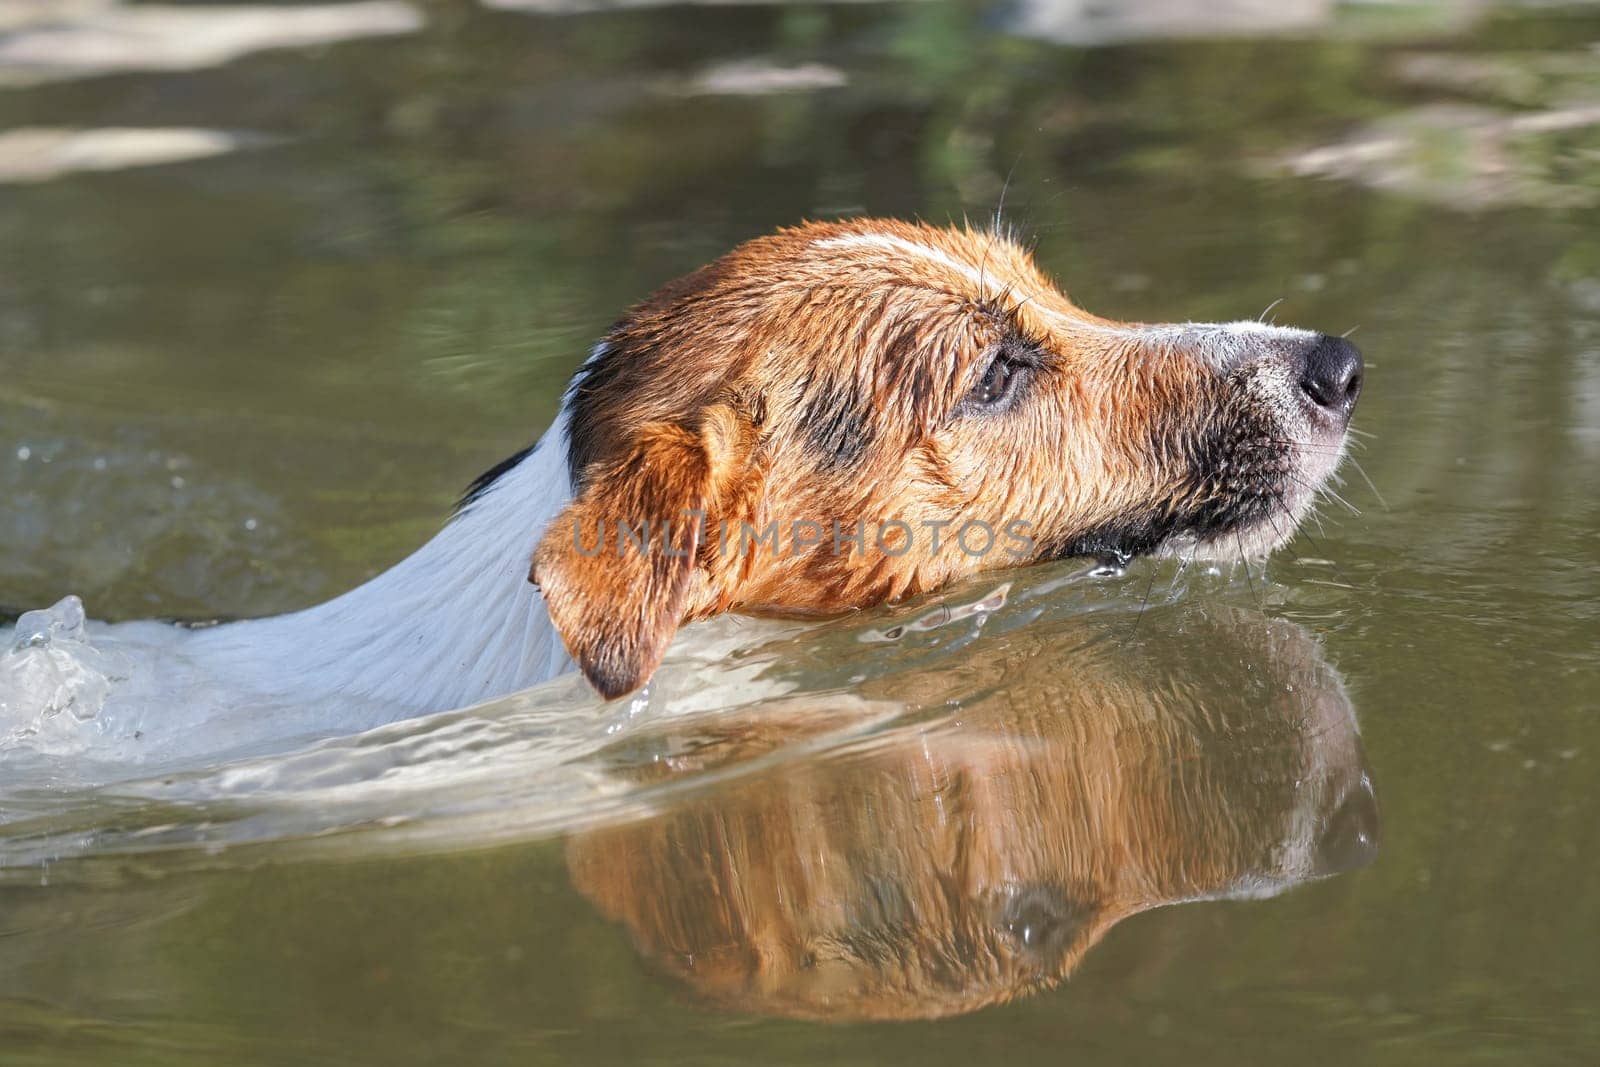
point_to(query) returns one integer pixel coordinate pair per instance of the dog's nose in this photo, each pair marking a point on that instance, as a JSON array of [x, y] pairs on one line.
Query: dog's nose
[[1332, 374], [1350, 837]]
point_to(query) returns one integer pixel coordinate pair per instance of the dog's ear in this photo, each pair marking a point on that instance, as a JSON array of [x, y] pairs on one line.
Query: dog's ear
[[617, 565]]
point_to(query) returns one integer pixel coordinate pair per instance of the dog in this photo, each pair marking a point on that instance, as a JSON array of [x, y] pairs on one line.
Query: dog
[[965, 861], [831, 417]]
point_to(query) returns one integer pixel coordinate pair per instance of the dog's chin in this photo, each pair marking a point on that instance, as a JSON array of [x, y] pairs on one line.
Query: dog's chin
[[1289, 501], [1247, 543]]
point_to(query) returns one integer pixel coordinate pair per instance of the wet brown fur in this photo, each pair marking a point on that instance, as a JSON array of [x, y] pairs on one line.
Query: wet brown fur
[[810, 376]]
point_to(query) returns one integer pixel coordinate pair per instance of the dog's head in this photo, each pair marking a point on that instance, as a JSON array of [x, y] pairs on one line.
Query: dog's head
[[844, 414]]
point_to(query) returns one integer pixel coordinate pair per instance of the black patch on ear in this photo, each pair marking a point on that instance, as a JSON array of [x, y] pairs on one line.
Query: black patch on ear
[[482, 482], [836, 422], [599, 374], [627, 356]]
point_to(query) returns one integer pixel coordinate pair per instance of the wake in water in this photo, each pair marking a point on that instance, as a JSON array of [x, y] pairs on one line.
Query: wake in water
[[51, 670], [116, 744], [83, 702]]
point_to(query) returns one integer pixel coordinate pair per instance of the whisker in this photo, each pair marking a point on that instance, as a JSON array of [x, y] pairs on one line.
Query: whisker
[[983, 265], [1268, 310], [1275, 446], [1331, 491], [1183, 566], [1323, 488], [1020, 304], [1261, 603], [1316, 517], [1318, 545], [1005, 186], [1155, 569], [1356, 463]]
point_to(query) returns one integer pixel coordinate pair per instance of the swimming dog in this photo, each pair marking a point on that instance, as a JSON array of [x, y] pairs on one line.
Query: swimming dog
[[831, 417]]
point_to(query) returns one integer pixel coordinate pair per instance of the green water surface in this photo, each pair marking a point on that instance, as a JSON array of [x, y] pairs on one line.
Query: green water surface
[[237, 385]]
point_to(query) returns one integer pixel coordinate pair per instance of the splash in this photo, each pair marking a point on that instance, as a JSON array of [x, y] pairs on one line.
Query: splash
[[52, 679], [119, 741]]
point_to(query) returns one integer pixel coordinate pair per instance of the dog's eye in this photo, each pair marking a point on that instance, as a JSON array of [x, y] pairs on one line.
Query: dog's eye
[[998, 383]]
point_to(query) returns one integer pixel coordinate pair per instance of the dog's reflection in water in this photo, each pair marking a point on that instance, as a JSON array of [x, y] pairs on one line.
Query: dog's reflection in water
[[952, 864]]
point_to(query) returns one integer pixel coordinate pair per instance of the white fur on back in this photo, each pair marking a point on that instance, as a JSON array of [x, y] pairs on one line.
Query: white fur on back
[[455, 623]]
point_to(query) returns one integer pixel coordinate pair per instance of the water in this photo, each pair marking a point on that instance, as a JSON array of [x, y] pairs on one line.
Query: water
[[52, 668], [245, 379]]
